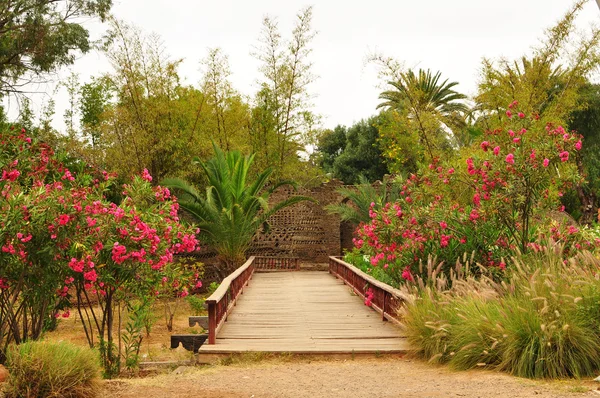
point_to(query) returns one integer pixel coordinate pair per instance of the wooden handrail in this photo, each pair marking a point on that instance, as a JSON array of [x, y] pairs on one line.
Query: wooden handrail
[[262, 263], [224, 298], [385, 299]]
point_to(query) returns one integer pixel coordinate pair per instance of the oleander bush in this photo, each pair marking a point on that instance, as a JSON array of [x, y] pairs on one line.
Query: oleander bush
[[43, 369]]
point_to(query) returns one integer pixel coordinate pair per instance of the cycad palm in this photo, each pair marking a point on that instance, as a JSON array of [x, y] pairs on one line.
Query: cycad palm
[[428, 103], [361, 197], [233, 209]]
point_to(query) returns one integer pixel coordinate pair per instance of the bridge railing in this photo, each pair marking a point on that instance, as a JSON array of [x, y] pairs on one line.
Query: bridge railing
[[276, 263], [383, 298], [224, 298], [221, 302]]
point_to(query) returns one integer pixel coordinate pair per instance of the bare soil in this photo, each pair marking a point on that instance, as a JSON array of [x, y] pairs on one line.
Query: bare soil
[[366, 377], [154, 347]]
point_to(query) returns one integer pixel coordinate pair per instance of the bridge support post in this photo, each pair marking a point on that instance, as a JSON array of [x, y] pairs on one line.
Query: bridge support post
[[212, 323]]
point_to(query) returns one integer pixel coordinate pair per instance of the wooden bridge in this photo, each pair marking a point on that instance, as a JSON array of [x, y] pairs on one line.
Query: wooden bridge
[[318, 312]]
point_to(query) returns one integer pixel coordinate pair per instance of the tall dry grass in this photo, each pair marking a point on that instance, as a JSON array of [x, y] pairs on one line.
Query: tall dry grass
[[542, 321]]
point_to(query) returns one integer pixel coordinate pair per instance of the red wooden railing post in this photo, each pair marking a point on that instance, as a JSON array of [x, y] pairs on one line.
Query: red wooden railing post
[[212, 323]]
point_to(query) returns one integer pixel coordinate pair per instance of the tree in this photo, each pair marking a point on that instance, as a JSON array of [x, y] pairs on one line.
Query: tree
[[39, 36], [58, 225], [95, 98], [153, 122], [429, 106], [586, 122], [229, 115], [233, 208], [72, 85], [350, 153], [552, 85], [331, 145], [282, 104], [546, 84]]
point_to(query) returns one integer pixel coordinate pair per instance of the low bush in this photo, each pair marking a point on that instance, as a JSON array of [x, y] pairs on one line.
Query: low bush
[[542, 322], [43, 369]]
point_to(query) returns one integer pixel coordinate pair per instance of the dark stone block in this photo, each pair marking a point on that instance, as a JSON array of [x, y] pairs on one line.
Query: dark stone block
[[191, 342]]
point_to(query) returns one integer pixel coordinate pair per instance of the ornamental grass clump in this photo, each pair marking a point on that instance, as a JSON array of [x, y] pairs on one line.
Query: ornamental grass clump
[[542, 322], [44, 369]]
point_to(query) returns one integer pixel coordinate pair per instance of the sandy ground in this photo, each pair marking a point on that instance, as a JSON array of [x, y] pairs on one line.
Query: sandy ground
[[369, 377]]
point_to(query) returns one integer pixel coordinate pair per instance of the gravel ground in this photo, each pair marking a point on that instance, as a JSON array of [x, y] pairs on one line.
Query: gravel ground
[[368, 377]]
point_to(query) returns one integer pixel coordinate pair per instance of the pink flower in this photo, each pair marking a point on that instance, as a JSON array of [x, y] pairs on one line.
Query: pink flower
[[532, 155], [509, 114], [578, 145], [90, 276], [546, 162], [63, 219], [497, 150], [146, 175], [443, 225], [517, 140], [510, 158], [76, 265], [68, 176], [451, 170], [445, 239], [564, 156], [521, 115], [10, 175], [406, 275], [485, 145]]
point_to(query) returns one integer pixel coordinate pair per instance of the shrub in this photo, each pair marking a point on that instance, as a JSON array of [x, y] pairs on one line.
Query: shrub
[[43, 369], [196, 304], [541, 323]]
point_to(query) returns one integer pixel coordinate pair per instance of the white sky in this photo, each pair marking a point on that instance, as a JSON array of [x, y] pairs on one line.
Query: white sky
[[447, 35]]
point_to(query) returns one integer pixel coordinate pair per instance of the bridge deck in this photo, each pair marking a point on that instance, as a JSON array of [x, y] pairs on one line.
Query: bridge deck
[[304, 312]]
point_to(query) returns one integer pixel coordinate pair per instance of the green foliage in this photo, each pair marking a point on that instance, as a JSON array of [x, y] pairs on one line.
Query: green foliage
[[539, 323], [38, 37], [282, 122], [139, 317], [196, 304], [95, 98], [426, 105], [212, 287], [350, 153], [583, 200], [360, 261], [233, 208], [546, 83], [51, 370], [360, 199]]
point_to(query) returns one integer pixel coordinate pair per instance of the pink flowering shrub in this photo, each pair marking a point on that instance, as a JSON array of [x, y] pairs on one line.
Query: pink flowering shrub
[[62, 243], [403, 234], [496, 201]]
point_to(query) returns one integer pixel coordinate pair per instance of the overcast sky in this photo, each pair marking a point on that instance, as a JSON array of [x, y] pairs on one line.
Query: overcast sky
[[451, 36]]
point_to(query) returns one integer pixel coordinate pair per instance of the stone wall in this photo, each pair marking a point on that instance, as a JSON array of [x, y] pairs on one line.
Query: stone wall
[[304, 230]]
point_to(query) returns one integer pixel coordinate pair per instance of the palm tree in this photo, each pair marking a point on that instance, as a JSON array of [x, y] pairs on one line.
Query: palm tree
[[233, 209], [358, 199], [430, 104]]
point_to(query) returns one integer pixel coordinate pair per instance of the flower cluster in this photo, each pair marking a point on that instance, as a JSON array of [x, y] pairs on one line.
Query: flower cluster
[[482, 206], [59, 230]]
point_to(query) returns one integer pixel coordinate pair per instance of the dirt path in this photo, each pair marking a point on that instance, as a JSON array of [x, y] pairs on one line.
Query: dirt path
[[372, 378]]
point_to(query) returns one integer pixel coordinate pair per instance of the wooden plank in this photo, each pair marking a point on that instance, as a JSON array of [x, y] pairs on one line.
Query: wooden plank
[[304, 312]]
